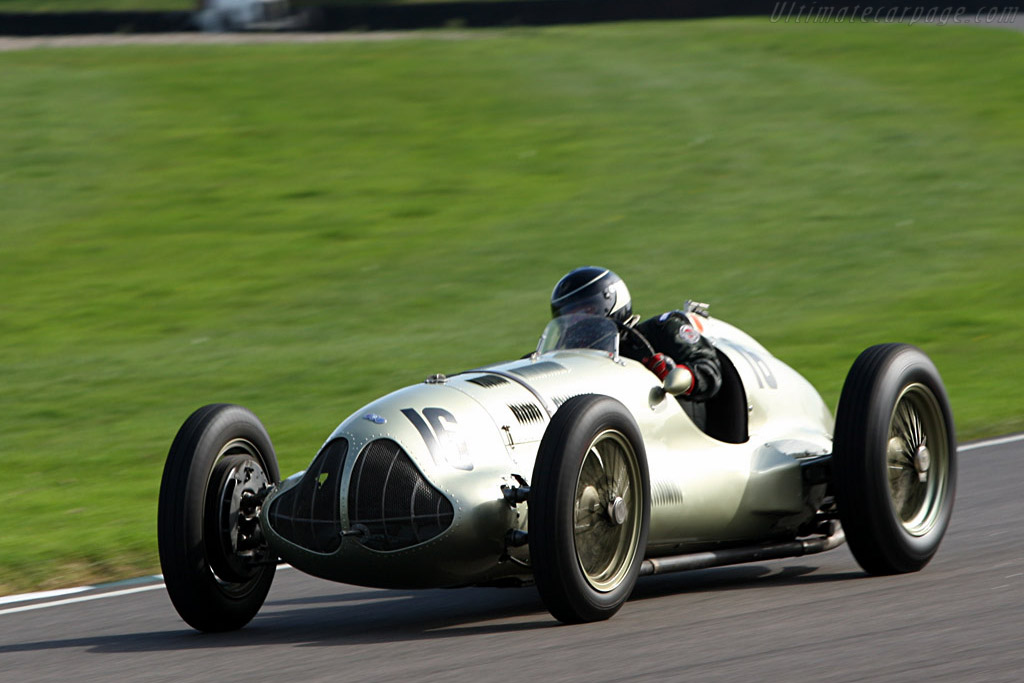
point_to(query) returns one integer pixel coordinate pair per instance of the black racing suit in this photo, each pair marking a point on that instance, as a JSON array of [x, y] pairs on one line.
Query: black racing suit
[[674, 334]]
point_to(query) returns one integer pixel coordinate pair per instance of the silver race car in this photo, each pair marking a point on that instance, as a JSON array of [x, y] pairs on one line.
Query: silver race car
[[575, 469]]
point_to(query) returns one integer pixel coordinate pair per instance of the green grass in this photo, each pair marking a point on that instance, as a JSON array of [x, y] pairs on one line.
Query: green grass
[[301, 228]]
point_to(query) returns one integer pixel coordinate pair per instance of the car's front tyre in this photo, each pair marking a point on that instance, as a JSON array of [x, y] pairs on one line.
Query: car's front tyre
[[589, 509], [215, 562], [894, 459]]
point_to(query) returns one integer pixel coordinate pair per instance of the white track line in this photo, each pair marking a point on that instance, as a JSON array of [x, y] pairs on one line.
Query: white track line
[[991, 442], [44, 595], [158, 580], [82, 598]]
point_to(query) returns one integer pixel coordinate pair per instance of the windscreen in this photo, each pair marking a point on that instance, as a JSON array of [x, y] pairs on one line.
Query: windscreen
[[580, 331]]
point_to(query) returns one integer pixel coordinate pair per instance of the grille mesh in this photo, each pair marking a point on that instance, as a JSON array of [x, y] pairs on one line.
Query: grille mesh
[[392, 501], [309, 514]]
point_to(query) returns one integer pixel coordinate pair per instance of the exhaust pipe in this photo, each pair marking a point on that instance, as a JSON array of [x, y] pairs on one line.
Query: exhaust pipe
[[756, 553]]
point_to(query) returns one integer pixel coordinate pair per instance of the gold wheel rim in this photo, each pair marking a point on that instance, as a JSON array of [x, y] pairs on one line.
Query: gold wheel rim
[[917, 459], [607, 510]]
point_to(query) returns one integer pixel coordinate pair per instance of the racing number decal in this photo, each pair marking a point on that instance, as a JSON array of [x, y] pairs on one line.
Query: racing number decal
[[443, 439], [762, 372]]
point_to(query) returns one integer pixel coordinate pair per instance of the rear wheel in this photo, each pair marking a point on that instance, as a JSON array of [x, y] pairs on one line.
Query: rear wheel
[[895, 459], [215, 561], [589, 509]]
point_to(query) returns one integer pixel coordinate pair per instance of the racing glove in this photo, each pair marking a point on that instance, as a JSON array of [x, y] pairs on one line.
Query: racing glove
[[659, 364]]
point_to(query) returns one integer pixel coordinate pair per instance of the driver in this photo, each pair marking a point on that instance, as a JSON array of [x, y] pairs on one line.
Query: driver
[[675, 340]]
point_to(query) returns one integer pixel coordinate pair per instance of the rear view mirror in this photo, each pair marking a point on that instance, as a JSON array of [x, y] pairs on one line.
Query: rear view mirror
[[678, 381]]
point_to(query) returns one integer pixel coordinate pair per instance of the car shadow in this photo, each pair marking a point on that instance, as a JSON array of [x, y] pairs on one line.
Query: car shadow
[[740, 577], [368, 616]]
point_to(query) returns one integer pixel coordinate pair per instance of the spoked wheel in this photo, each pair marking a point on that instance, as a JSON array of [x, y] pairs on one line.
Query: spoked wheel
[[215, 560], [607, 510], [894, 460], [918, 473], [589, 509]]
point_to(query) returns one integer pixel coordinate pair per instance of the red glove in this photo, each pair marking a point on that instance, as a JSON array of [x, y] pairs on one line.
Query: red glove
[[660, 365]]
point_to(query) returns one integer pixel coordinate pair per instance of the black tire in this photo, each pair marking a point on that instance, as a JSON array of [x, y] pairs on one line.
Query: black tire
[[894, 460], [586, 558], [216, 566]]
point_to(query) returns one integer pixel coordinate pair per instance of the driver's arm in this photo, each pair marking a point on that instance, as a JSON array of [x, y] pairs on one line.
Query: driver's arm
[[674, 335]]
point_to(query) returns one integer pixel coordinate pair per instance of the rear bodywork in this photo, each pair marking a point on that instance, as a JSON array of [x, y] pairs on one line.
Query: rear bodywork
[[411, 490]]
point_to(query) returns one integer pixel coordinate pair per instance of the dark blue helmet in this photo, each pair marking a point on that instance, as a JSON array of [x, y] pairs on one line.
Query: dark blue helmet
[[593, 290]]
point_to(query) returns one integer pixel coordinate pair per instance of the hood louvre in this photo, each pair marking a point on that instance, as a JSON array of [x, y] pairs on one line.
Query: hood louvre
[[541, 369], [488, 381], [527, 413]]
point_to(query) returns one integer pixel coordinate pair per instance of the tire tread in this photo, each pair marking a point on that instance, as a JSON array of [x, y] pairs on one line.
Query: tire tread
[[861, 489], [555, 567], [194, 592]]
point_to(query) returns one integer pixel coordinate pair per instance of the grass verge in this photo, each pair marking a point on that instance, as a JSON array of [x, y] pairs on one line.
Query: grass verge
[[300, 228]]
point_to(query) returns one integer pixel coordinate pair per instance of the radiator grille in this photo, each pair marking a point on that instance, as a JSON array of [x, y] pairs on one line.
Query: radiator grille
[[309, 514], [392, 502]]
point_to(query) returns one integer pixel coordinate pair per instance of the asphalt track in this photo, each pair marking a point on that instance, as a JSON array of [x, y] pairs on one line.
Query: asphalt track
[[814, 618]]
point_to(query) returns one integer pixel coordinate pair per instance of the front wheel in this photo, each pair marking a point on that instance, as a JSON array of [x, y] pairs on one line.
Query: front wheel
[[589, 509], [215, 562], [894, 459]]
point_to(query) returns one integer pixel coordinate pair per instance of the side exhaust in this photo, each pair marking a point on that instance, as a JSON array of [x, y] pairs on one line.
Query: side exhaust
[[755, 553]]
